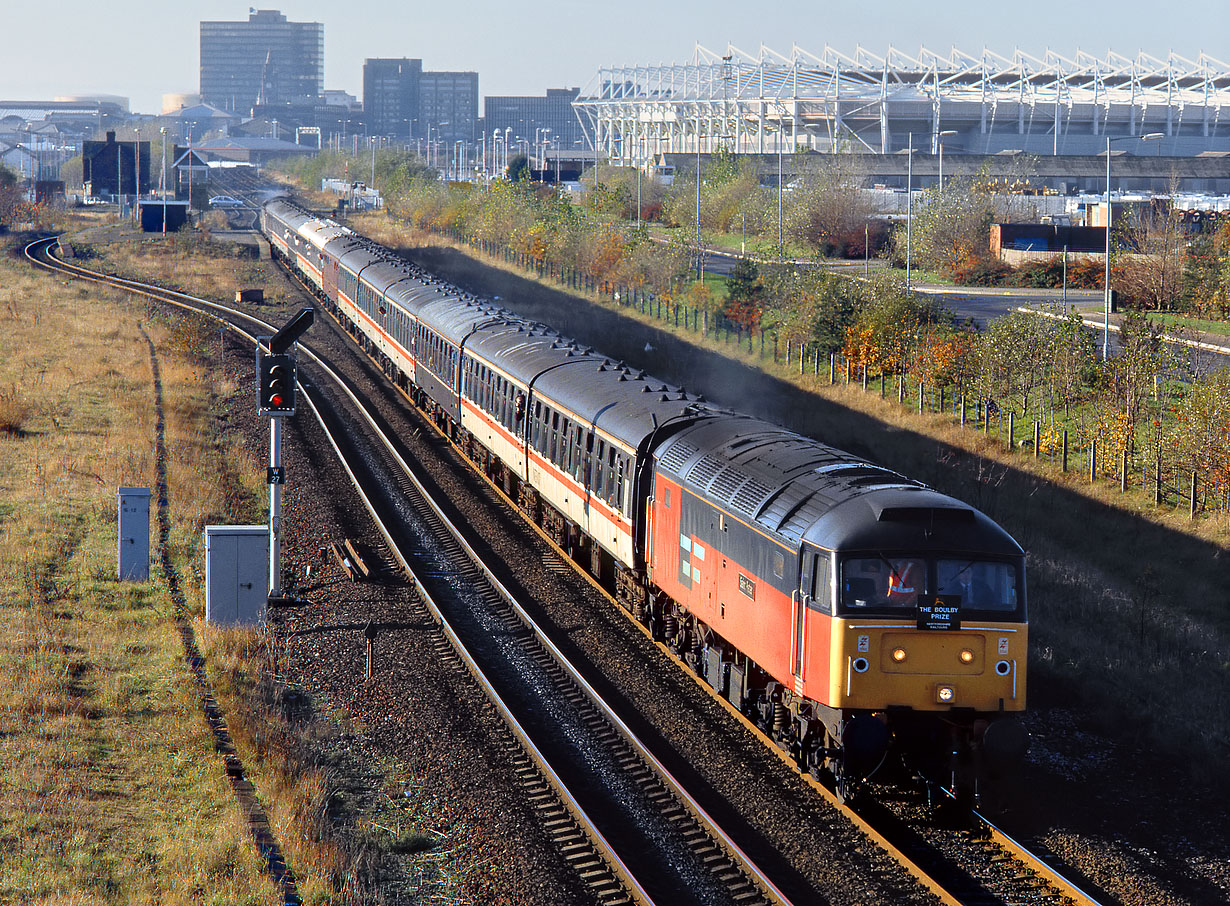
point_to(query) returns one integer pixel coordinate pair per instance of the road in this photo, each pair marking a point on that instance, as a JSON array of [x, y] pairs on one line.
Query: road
[[985, 303]]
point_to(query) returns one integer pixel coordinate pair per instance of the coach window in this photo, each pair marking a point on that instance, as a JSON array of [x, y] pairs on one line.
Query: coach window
[[536, 427], [583, 441], [599, 473]]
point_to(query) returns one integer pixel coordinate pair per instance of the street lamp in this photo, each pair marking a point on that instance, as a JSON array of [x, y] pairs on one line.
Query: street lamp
[[163, 130], [940, 141], [909, 204], [1152, 136], [136, 173]]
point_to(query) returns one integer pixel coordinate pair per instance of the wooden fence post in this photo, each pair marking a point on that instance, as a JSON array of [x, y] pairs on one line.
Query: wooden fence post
[[1093, 460], [1011, 427], [920, 398], [1193, 515], [1037, 437], [1065, 450], [1123, 471], [832, 368]]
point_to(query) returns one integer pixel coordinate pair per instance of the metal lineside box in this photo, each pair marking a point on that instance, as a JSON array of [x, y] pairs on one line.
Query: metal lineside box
[[132, 553], [236, 574]]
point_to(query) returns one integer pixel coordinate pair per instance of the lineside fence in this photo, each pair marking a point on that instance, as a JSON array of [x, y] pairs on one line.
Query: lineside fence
[[1170, 480]]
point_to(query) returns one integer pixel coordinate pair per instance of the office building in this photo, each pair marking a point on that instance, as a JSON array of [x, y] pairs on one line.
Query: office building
[[391, 97], [531, 117], [265, 60], [448, 102]]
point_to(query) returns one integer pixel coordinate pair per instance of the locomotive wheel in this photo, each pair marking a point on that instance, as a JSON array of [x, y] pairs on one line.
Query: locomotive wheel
[[845, 785]]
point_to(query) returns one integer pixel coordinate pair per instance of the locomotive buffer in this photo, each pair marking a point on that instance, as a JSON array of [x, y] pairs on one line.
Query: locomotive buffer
[[275, 370]]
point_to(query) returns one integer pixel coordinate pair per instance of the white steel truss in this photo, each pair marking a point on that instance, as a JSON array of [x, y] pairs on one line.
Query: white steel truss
[[766, 101]]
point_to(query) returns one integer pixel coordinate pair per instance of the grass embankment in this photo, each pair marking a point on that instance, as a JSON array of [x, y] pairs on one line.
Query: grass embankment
[[111, 789], [1128, 616], [334, 857]]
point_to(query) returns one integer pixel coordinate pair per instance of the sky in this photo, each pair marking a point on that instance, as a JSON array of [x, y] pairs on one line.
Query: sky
[[142, 49]]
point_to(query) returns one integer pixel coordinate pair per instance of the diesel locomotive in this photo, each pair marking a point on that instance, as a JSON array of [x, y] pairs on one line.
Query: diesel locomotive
[[858, 616]]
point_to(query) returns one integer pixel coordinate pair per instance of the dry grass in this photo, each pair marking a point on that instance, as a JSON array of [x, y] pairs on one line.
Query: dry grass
[[190, 262], [112, 400], [111, 789]]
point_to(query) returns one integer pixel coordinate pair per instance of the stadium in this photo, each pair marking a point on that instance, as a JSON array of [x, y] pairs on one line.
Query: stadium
[[866, 104]]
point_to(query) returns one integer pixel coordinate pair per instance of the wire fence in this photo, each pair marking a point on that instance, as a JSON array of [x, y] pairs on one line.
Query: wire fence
[[1173, 481]]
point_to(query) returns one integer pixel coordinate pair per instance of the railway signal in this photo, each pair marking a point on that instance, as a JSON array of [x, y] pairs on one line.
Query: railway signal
[[275, 369], [277, 383]]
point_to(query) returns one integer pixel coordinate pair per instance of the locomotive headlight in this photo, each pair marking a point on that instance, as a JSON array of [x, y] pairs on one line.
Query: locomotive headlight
[[967, 656], [898, 655], [945, 695]]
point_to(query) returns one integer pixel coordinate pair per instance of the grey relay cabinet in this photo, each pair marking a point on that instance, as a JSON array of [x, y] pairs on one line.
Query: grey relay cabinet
[[236, 574], [132, 555]]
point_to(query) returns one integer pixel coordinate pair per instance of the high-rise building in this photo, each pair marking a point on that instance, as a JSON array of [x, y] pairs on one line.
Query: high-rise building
[[391, 97], [266, 60], [448, 102]]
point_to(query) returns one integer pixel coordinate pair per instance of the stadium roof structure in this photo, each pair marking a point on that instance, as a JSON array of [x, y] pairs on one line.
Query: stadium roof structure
[[871, 104]]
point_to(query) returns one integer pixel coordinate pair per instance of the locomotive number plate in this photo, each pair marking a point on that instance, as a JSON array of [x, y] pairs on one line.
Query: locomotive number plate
[[747, 586]]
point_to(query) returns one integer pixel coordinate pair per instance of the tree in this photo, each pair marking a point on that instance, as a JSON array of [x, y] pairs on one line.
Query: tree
[[830, 211], [1128, 378], [1152, 277], [745, 294], [518, 167], [949, 229], [1206, 273], [11, 194]]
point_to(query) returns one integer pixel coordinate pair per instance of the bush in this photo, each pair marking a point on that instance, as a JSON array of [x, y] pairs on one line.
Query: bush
[[14, 411], [982, 272]]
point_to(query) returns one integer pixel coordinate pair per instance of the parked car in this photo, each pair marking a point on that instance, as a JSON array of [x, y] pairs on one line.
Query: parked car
[[225, 201]]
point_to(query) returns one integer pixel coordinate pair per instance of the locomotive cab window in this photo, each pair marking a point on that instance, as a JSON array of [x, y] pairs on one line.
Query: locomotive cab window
[[883, 581], [981, 584]]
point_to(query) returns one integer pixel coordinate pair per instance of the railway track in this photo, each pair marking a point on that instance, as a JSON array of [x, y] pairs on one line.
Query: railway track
[[1010, 874]]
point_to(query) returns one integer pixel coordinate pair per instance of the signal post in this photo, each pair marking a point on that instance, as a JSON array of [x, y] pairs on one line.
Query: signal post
[[276, 374]]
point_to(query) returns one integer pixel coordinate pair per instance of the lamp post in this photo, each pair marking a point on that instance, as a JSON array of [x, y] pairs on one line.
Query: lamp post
[[163, 130], [700, 257], [909, 204], [1152, 136], [940, 141], [136, 172], [781, 242]]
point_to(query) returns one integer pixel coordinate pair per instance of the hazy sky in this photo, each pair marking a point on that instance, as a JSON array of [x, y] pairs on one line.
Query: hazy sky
[[143, 49]]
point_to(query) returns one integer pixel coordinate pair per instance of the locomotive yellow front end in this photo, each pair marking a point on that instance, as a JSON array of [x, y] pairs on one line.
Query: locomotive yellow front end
[[927, 647]]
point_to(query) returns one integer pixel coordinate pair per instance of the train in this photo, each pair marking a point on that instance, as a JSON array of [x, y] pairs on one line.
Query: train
[[863, 620]]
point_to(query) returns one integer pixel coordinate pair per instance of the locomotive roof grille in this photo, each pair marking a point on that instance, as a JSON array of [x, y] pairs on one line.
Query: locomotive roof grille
[[677, 455]]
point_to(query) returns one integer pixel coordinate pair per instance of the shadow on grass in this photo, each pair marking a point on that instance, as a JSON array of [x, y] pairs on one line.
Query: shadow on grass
[[1116, 595]]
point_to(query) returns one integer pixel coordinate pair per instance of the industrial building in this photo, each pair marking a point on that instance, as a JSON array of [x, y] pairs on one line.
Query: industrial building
[[980, 105]]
